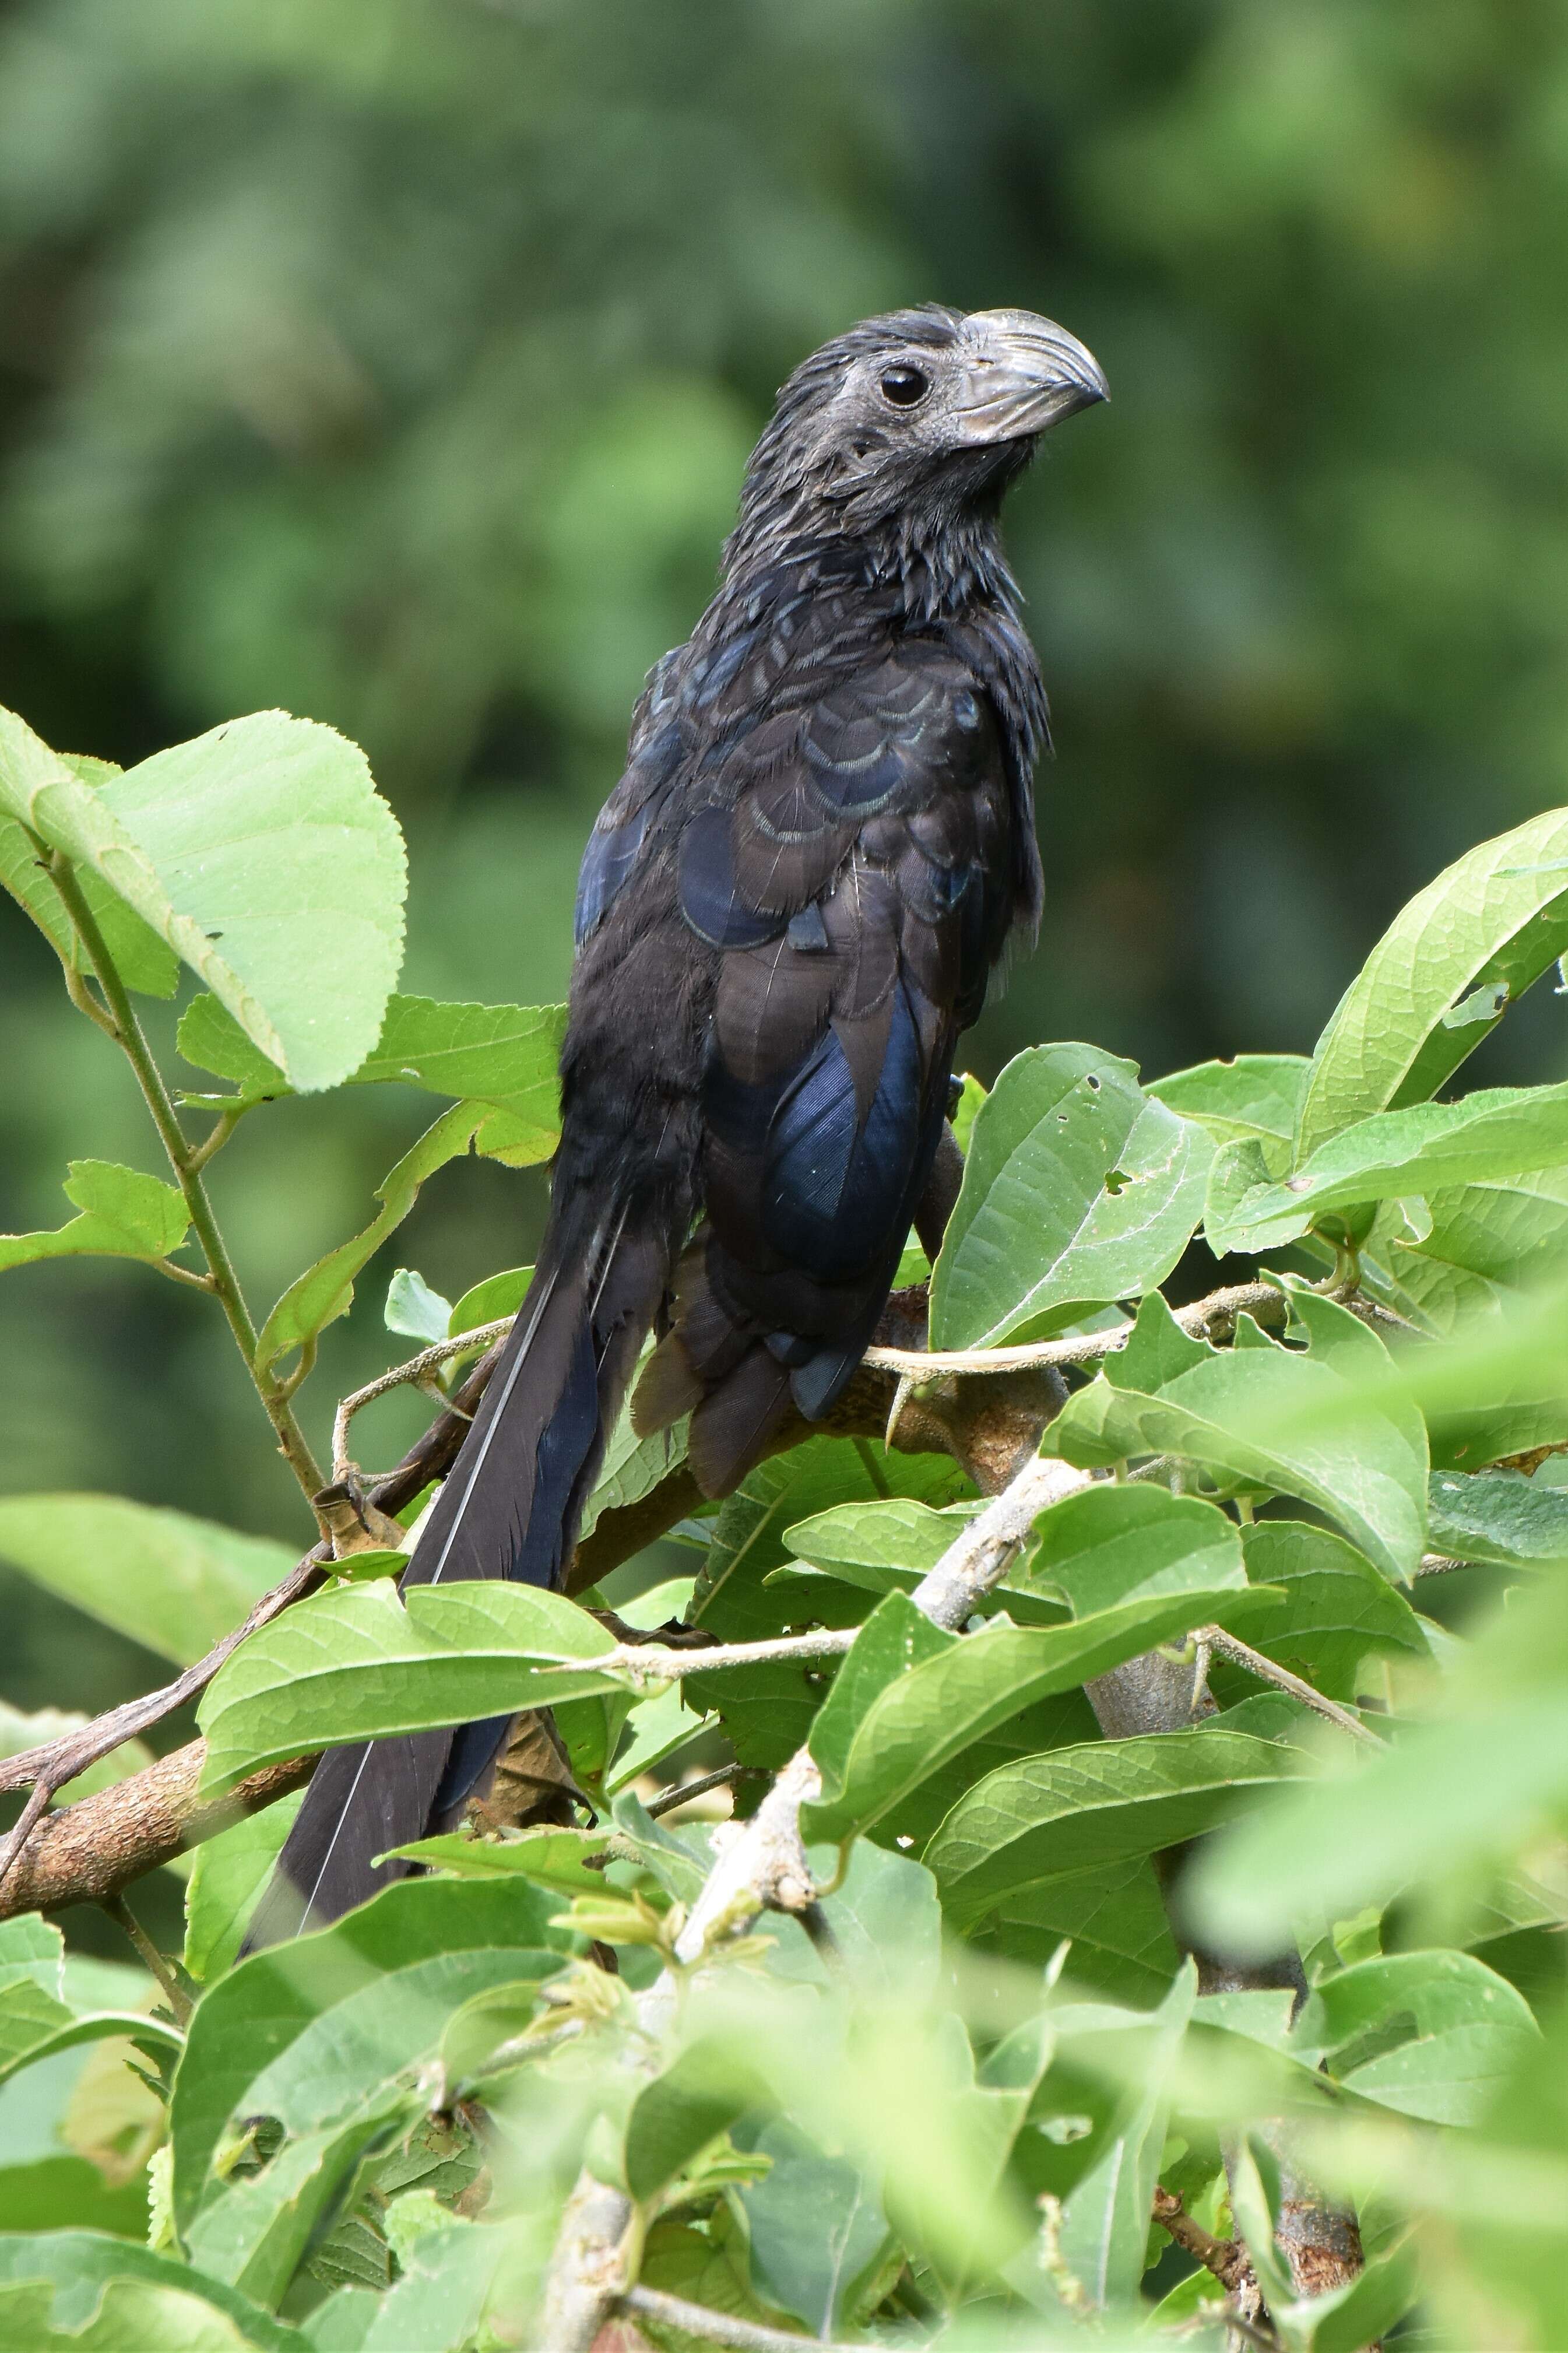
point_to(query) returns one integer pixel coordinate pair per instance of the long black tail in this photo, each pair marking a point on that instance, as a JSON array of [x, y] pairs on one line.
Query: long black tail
[[509, 1507]]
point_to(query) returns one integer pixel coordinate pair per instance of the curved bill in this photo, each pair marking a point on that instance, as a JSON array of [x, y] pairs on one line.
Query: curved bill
[[1025, 374]]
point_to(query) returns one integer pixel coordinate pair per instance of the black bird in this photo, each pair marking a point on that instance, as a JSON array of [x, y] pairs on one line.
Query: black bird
[[788, 910]]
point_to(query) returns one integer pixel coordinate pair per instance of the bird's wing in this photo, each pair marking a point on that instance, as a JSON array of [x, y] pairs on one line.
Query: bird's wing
[[848, 856]]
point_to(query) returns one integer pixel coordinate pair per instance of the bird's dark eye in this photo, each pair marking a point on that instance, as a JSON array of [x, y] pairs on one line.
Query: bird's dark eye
[[905, 387]]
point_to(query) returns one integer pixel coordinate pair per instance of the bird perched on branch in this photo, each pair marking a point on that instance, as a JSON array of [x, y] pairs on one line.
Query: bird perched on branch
[[789, 908]]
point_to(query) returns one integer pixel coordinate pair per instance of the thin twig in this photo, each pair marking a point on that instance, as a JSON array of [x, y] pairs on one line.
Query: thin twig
[[651, 1662], [1265, 1301], [179, 2001], [1226, 2258], [1283, 1680], [669, 1800], [717, 2328], [415, 1370]]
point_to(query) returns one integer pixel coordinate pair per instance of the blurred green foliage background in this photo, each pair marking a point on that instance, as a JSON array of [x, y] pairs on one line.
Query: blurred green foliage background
[[395, 361]]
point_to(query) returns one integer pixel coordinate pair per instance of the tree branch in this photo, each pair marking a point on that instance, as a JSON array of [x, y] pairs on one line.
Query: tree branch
[[1283, 1680], [1264, 1301], [716, 2327]]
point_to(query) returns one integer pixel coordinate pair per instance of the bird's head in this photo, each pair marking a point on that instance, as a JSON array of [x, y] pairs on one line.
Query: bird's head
[[919, 419]]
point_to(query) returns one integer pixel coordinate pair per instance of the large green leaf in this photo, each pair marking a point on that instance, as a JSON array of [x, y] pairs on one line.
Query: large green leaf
[[1501, 1133], [1113, 1920], [263, 855], [109, 2297], [1256, 1096], [909, 1698], [121, 1214], [1082, 1809], [1433, 2035], [1273, 1418], [1077, 1189], [171, 1582], [500, 1054], [1500, 1517], [361, 1661], [1438, 981], [246, 2025]]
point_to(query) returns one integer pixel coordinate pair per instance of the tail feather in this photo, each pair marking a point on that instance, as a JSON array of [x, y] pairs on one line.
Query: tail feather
[[509, 1507]]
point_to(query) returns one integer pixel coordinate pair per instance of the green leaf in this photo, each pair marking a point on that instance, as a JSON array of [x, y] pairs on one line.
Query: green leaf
[[698, 2095], [1432, 2034], [1121, 1943], [35, 2021], [19, 1733], [362, 1661], [898, 1533], [414, 1309], [255, 2233], [550, 1858], [1113, 1544], [309, 2031], [504, 1055], [1500, 1133], [750, 1533], [1498, 916], [124, 1214], [58, 2193], [817, 2233], [1500, 1517], [1485, 1244], [173, 1583], [1079, 1809], [225, 1885], [1256, 1096], [143, 961], [326, 1290], [1333, 1608], [633, 1466], [1268, 1416], [909, 1698], [134, 2312], [264, 857], [487, 1301], [131, 2296], [1104, 2228], [1077, 1189], [704, 2267]]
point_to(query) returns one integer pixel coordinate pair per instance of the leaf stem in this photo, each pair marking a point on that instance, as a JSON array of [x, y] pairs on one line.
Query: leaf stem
[[174, 1994], [186, 1159]]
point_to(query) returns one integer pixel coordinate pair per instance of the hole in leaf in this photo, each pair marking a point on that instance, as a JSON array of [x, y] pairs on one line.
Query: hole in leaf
[[1116, 1179], [1093, 1081]]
